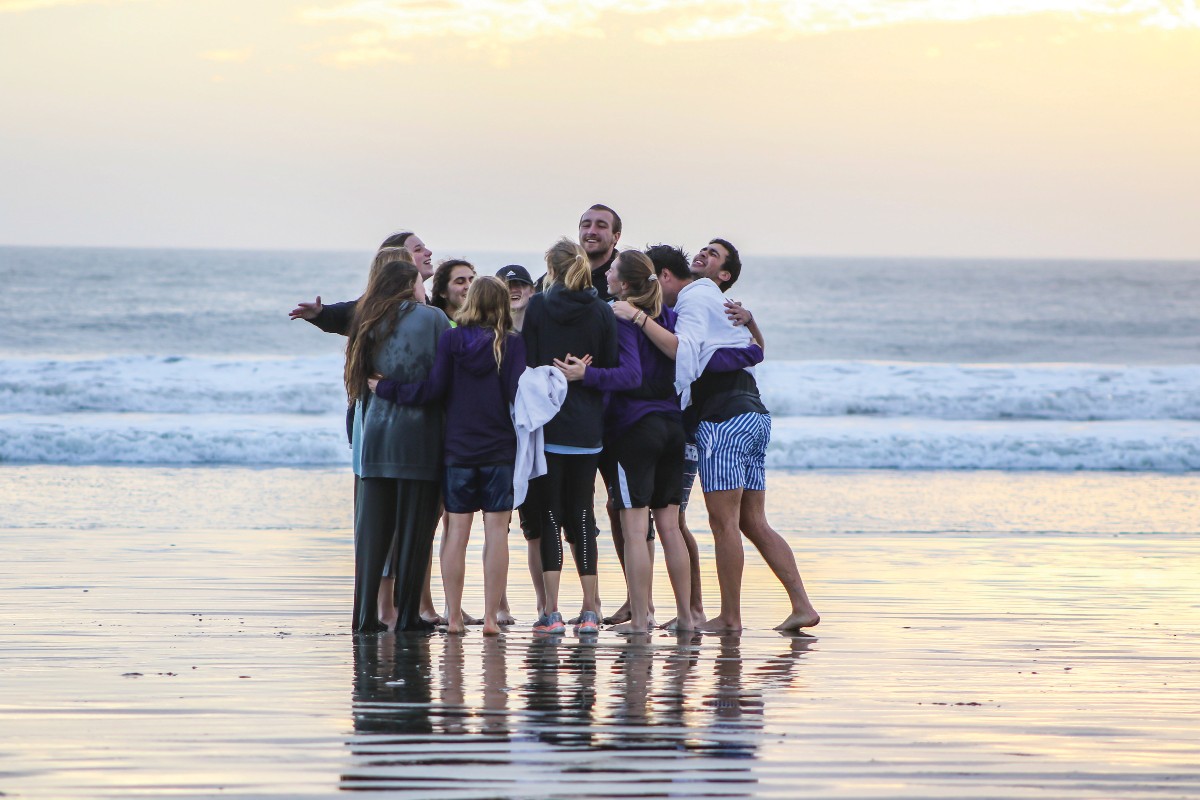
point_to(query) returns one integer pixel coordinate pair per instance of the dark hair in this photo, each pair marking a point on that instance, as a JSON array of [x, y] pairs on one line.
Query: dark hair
[[670, 259], [733, 263], [388, 287], [616, 226], [396, 239], [441, 280]]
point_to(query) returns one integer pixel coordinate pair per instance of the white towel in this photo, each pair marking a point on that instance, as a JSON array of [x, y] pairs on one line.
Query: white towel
[[703, 328], [541, 392]]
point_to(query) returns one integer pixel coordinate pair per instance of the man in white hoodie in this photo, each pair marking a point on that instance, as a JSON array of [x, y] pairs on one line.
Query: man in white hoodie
[[733, 428]]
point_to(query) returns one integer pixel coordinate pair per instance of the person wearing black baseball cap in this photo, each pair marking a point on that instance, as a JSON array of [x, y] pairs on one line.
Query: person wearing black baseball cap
[[520, 289]]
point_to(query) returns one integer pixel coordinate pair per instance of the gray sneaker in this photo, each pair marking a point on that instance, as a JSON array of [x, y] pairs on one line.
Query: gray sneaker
[[589, 624]]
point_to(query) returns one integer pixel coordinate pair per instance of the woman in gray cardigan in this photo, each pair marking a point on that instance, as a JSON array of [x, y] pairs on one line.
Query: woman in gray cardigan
[[397, 449]]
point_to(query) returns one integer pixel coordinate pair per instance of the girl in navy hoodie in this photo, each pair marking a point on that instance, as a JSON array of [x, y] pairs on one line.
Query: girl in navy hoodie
[[476, 371]]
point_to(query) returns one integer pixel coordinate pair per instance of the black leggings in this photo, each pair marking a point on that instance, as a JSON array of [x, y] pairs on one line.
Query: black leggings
[[394, 524], [563, 499]]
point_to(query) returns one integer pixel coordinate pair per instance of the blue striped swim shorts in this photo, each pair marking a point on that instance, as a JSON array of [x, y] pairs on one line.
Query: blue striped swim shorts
[[733, 453]]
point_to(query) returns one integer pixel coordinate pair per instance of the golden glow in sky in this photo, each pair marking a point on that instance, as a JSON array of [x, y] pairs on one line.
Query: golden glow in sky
[[890, 127]]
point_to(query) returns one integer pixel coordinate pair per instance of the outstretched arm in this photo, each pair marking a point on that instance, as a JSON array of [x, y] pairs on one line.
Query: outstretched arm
[[662, 338], [621, 378]]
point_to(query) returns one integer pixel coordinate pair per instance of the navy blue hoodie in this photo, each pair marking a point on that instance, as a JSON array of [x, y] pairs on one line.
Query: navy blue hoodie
[[479, 429], [560, 321]]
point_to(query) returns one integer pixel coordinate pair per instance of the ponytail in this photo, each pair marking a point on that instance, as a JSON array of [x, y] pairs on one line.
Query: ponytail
[[636, 270], [567, 263]]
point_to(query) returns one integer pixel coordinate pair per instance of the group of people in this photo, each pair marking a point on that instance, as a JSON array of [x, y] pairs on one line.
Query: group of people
[[486, 394]]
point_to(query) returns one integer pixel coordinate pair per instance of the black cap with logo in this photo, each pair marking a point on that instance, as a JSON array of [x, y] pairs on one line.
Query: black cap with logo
[[514, 272]]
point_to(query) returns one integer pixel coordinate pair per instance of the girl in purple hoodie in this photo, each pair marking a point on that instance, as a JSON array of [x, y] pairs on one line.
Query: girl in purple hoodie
[[476, 371]]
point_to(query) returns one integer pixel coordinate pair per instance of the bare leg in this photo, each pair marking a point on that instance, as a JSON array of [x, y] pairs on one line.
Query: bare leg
[[678, 565], [388, 614], [454, 567], [779, 557], [591, 593], [551, 580], [724, 511], [618, 537], [534, 550], [495, 567], [428, 612], [693, 551], [637, 569]]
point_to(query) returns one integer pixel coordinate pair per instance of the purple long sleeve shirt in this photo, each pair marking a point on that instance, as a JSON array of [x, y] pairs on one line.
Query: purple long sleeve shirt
[[656, 392], [479, 428]]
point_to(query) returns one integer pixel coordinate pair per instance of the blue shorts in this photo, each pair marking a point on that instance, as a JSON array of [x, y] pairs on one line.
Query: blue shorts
[[733, 453], [470, 489]]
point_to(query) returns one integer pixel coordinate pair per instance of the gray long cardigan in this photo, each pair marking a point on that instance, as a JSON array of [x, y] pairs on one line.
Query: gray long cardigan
[[405, 441]]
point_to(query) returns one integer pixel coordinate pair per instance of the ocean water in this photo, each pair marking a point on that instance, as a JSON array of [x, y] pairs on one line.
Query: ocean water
[[187, 357]]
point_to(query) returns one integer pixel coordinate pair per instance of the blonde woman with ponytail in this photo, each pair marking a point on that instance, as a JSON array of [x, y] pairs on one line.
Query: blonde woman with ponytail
[[475, 374], [569, 321], [644, 443], [396, 450]]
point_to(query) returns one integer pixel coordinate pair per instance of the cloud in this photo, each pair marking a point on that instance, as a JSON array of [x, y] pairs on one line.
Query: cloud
[[505, 22], [228, 56], [11, 6]]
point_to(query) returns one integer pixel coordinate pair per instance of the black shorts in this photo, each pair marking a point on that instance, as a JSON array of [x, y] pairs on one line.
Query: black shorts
[[646, 464], [470, 489]]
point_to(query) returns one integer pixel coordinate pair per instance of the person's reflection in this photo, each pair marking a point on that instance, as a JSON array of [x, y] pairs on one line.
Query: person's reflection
[[453, 707], [671, 704], [390, 697], [558, 718], [634, 664], [495, 687], [779, 672], [391, 684], [737, 709]]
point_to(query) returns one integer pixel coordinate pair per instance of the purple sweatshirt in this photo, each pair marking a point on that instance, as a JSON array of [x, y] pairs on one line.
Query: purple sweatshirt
[[656, 394], [479, 429]]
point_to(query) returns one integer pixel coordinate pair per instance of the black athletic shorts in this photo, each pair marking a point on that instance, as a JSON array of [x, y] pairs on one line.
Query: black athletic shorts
[[470, 489], [646, 464]]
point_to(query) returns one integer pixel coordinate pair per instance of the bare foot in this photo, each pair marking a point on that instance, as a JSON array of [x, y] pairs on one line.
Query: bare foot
[[504, 618], [492, 629], [721, 625], [456, 630], [628, 628], [390, 623], [434, 618], [798, 620], [622, 614], [469, 620], [675, 626]]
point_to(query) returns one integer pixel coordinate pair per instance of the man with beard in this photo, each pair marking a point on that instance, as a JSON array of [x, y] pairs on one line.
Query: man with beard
[[732, 426]]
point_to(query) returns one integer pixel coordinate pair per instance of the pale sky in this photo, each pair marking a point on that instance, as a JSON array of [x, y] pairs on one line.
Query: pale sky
[[1031, 128]]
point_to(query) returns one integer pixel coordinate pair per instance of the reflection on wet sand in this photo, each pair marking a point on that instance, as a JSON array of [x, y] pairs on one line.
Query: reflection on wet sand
[[614, 716]]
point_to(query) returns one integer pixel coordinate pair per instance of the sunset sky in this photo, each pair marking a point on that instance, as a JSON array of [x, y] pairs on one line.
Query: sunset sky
[[1062, 128]]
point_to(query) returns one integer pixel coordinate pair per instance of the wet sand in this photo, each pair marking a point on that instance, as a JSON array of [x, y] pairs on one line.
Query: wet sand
[[184, 633]]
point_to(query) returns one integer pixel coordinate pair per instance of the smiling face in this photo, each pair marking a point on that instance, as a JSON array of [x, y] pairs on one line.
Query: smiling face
[[519, 293], [460, 281], [422, 255], [710, 263], [616, 287], [596, 234]]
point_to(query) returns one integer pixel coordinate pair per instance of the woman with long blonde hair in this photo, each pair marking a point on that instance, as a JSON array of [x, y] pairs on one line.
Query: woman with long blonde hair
[[396, 450], [475, 372]]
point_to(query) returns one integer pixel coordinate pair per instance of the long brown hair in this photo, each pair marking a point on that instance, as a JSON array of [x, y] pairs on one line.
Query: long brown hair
[[567, 263], [488, 306], [636, 270], [392, 282]]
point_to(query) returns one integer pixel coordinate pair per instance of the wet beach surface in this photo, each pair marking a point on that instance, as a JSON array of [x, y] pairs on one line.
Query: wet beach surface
[[184, 633]]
